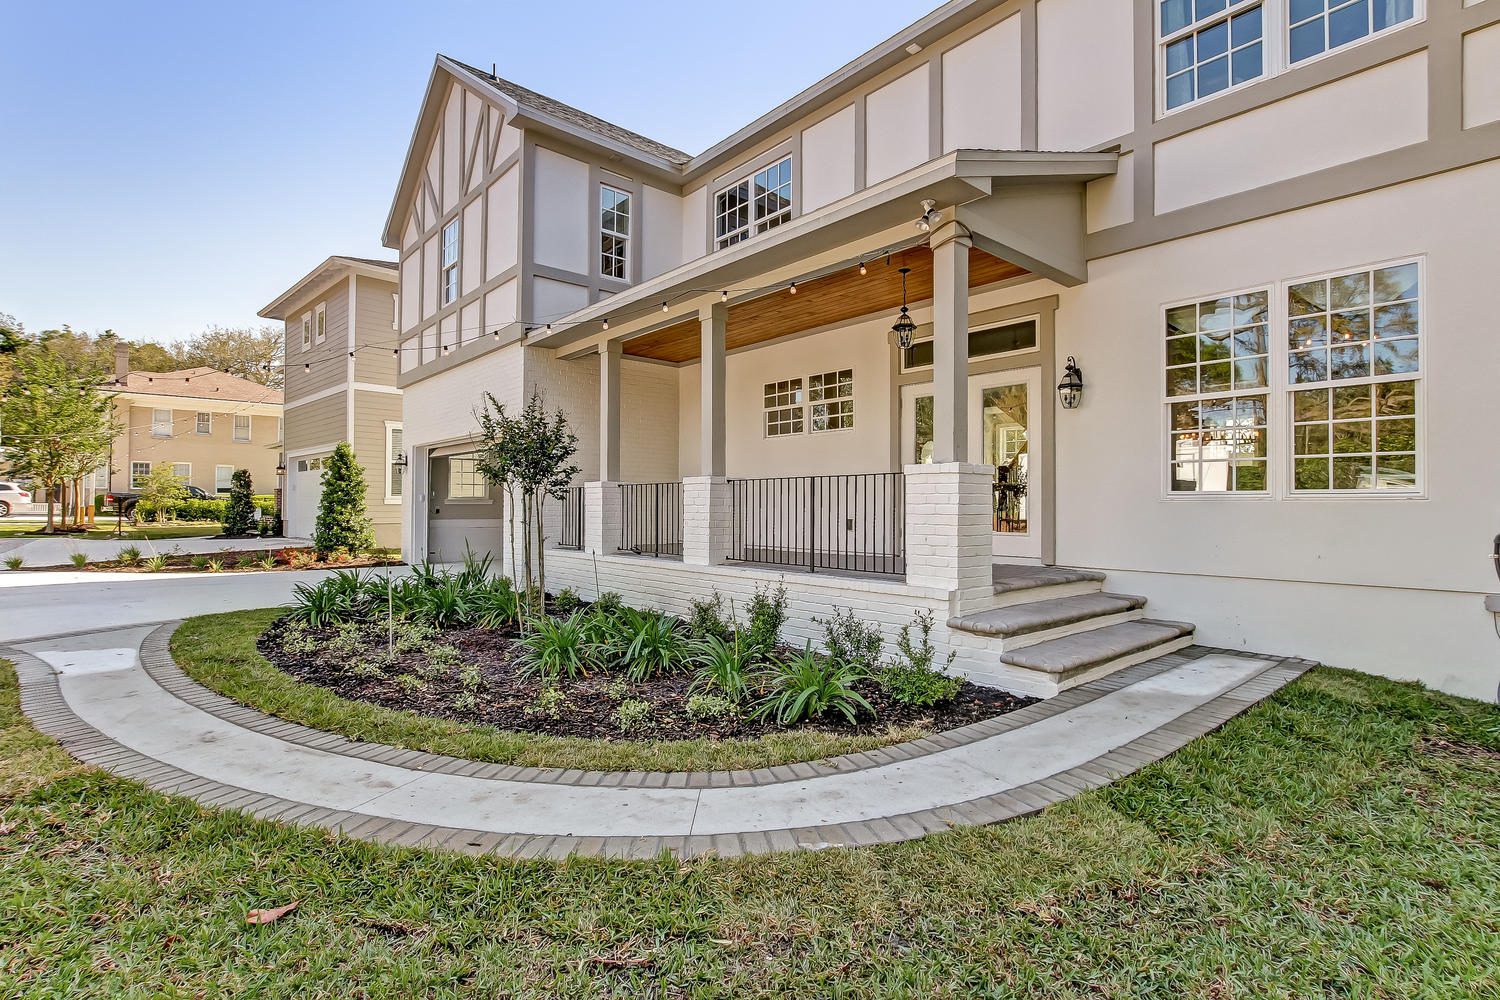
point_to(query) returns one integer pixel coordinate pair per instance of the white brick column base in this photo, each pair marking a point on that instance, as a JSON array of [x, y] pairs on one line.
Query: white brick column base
[[706, 520], [602, 517], [949, 520]]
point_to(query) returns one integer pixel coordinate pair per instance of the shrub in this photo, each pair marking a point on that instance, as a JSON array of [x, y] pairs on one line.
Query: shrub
[[548, 703], [193, 509], [470, 678], [411, 683], [633, 716], [566, 601], [618, 690], [156, 563], [767, 612], [296, 640], [79, 559], [198, 562], [245, 561], [702, 707], [609, 603], [239, 509], [322, 604], [706, 619], [343, 523], [444, 657], [216, 565], [723, 666], [160, 489], [465, 701], [555, 647], [129, 555], [445, 605], [13, 562], [849, 639], [653, 644], [806, 686], [266, 562], [912, 679], [495, 604]]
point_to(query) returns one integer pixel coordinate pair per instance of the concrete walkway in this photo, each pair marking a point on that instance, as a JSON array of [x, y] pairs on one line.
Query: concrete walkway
[[58, 550], [114, 698]]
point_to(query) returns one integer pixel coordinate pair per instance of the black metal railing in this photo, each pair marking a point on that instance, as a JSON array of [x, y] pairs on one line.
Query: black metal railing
[[570, 530], [854, 523], [651, 518]]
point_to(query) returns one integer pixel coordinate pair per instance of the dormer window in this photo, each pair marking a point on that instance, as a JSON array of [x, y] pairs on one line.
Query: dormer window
[[756, 204]]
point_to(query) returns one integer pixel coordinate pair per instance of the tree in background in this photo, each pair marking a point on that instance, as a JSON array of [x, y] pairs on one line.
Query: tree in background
[[239, 510], [343, 523], [55, 425], [161, 490], [254, 354]]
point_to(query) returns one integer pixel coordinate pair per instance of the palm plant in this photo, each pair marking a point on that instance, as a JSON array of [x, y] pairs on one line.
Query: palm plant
[[806, 686], [556, 647]]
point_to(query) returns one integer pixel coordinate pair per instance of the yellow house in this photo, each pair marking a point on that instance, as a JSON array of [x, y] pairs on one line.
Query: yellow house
[[202, 422]]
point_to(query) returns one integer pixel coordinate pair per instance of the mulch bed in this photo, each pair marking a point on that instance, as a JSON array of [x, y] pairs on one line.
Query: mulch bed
[[183, 562], [591, 702]]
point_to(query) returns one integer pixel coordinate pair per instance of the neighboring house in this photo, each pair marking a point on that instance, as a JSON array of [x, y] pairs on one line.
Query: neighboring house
[[202, 422], [341, 386], [1264, 228]]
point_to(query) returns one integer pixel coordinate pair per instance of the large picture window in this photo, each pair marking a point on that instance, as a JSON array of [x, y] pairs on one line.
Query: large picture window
[[614, 232], [1354, 366], [1217, 382], [756, 204], [1209, 46]]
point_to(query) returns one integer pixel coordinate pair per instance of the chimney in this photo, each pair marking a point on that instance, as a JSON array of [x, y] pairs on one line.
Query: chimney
[[122, 360]]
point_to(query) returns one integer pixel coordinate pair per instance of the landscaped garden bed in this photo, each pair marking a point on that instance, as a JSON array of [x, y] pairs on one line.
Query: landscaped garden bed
[[133, 558], [460, 646]]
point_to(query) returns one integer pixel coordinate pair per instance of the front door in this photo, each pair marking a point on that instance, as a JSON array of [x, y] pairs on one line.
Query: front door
[[1002, 428]]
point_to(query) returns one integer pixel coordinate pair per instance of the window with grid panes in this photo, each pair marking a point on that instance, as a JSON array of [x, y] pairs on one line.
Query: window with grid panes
[[614, 232], [754, 204], [783, 407], [831, 401], [1209, 46]]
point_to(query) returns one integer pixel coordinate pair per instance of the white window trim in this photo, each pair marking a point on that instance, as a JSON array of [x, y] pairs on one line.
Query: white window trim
[[807, 414], [390, 459], [134, 485], [1275, 327], [187, 479], [320, 323], [156, 423], [395, 310], [748, 178], [249, 427], [1035, 318], [229, 482], [198, 422], [624, 237], [444, 288], [306, 332], [448, 497], [1287, 387], [1275, 37]]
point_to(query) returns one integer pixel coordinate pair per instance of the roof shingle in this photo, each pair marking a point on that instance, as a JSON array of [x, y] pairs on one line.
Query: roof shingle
[[208, 383]]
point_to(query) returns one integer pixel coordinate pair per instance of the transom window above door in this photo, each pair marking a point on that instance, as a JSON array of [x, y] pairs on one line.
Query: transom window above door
[[755, 204], [984, 342]]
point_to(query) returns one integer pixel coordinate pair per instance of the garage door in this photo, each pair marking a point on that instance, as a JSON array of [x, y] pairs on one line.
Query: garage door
[[306, 489]]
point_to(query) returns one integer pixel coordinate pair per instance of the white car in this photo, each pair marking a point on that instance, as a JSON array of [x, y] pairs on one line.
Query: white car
[[14, 498]]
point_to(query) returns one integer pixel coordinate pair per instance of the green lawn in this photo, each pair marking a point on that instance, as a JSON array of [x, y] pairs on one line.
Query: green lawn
[[219, 652], [1339, 840], [144, 532]]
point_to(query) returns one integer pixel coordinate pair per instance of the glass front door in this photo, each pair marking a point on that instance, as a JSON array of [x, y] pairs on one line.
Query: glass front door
[[1002, 424]]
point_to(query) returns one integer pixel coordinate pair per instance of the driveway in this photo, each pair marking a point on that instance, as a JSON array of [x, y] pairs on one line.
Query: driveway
[[58, 551], [34, 605]]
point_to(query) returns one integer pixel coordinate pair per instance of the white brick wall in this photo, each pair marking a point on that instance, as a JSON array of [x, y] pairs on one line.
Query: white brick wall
[[948, 526], [706, 520], [602, 510]]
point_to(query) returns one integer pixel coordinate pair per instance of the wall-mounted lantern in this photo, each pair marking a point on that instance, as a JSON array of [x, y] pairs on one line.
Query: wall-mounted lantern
[[1070, 389]]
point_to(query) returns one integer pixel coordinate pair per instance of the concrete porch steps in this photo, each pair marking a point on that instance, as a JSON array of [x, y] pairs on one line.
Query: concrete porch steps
[[1018, 625], [1101, 650]]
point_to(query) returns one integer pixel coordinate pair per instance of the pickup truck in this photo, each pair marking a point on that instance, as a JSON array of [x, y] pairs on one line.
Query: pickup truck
[[125, 502]]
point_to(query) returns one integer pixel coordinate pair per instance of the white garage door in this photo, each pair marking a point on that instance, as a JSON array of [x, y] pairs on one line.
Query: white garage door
[[306, 489]]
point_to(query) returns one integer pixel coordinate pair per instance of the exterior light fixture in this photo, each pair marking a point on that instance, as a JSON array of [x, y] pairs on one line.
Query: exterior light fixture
[[904, 328], [306, 367], [1070, 389], [792, 288], [400, 461], [281, 467], [930, 216], [606, 322], [862, 270], [724, 296], [665, 307]]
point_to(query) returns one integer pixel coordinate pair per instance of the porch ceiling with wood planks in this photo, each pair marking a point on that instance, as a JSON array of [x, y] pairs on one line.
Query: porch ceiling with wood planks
[[820, 302]]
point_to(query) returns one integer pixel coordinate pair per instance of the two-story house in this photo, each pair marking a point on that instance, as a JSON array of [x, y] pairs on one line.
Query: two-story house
[[341, 386], [202, 423], [1187, 295]]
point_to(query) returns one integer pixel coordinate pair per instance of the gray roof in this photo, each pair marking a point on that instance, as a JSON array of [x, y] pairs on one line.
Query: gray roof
[[566, 112], [369, 260]]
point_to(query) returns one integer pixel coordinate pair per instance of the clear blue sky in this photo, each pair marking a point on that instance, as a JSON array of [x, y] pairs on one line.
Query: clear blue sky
[[168, 166]]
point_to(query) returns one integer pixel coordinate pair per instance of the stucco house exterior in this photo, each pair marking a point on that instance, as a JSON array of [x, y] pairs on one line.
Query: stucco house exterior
[[341, 386], [202, 422], [1261, 231]]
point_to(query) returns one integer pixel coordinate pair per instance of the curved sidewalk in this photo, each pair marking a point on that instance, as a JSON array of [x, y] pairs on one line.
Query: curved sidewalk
[[115, 699]]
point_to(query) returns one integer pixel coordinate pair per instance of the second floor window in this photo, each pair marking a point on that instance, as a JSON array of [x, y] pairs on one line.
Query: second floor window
[[242, 427], [450, 262], [614, 232], [161, 423], [1209, 46], [1319, 26], [204, 423], [756, 204]]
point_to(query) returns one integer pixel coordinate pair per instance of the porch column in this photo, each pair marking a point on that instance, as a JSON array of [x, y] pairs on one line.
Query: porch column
[[609, 410], [950, 345], [602, 517], [706, 513], [949, 520]]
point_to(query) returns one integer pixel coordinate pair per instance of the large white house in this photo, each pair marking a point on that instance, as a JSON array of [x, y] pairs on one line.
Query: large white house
[[1265, 231]]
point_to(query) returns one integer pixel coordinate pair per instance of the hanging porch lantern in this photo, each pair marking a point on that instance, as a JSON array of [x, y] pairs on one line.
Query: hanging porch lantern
[[904, 328], [1070, 389]]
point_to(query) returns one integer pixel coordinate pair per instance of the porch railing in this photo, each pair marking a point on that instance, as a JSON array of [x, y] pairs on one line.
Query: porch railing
[[651, 518], [570, 531], [854, 523]]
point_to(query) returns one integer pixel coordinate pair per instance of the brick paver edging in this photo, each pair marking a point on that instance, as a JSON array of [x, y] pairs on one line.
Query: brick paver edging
[[43, 702]]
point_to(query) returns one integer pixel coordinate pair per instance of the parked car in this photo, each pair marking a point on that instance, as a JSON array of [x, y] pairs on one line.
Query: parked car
[[125, 502], [14, 497]]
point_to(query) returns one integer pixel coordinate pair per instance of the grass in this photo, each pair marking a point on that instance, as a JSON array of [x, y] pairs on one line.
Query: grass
[[1340, 840], [219, 652], [139, 533]]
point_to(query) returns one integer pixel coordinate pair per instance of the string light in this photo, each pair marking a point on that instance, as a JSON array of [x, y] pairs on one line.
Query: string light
[[792, 288], [665, 307], [723, 296], [307, 367], [862, 271], [606, 323]]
